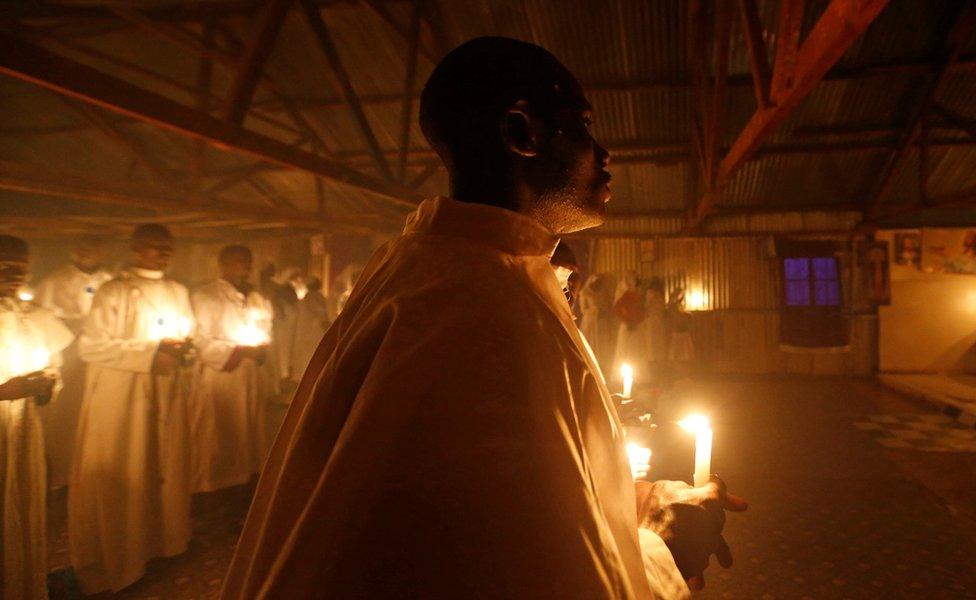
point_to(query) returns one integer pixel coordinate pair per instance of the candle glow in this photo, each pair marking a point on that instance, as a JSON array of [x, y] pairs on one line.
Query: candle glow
[[696, 300], [627, 374], [17, 359], [169, 326], [700, 426], [26, 295], [250, 333], [640, 459]]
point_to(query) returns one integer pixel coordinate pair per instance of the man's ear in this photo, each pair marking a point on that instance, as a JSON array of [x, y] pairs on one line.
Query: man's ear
[[520, 130]]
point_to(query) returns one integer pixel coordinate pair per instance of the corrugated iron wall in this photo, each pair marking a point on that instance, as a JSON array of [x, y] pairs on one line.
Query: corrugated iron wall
[[732, 280]]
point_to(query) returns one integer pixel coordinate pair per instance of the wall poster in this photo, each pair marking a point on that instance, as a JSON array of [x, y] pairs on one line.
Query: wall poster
[[949, 251]]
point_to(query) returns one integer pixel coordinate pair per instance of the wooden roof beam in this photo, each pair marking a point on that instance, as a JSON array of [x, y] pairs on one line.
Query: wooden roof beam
[[915, 67], [955, 120], [406, 111], [328, 47], [381, 11], [255, 55], [788, 32], [752, 30], [20, 177], [34, 33], [838, 28], [31, 63], [959, 36]]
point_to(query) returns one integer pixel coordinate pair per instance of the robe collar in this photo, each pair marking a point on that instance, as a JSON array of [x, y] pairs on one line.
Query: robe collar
[[146, 273], [506, 230]]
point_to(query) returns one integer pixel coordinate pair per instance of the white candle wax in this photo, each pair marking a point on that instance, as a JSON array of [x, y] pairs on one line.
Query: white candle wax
[[703, 456], [699, 425], [627, 374]]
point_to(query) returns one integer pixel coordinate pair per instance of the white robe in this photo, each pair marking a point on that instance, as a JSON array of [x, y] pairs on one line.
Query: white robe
[[129, 498], [227, 408], [31, 338], [451, 437], [68, 293], [311, 323]]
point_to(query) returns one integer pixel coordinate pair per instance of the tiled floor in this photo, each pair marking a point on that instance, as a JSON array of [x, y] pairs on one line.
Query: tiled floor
[[834, 513], [919, 431]]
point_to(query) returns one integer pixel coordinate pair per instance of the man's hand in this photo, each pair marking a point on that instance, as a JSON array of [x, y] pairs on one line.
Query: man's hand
[[168, 356], [33, 385], [690, 521]]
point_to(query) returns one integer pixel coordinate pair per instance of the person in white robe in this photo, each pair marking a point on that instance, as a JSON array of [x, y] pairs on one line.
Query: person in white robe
[[451, 437], [31, 340], [230, 391], [68, 293], [632, 339], [129, 496], [311, 323]]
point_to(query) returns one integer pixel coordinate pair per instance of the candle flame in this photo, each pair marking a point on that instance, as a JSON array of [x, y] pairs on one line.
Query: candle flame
[[25, 296], [695, 423], [626, 371]]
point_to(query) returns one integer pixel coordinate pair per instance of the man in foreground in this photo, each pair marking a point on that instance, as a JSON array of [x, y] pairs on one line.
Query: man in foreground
[[128, 497], [451, 436]]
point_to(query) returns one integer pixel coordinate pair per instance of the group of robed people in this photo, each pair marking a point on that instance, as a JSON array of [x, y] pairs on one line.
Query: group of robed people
[[145, 394]]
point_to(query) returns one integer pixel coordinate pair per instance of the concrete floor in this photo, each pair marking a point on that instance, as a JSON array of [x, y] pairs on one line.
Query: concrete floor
[[834, 513]]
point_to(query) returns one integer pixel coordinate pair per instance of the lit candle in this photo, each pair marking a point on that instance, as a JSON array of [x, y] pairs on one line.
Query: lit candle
[[17, 359], [26, 295], [250, 332], [627, 374], [699, 425], [640, 459]]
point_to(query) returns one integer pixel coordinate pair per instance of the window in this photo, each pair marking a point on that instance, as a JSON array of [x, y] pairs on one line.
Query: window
[[811, 281]]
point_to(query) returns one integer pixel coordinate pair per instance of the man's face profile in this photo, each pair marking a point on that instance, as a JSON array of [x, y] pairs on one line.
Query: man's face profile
[[580, 182]]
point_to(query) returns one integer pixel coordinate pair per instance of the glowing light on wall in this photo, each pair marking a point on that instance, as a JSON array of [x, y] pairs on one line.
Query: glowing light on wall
[[696, 300]]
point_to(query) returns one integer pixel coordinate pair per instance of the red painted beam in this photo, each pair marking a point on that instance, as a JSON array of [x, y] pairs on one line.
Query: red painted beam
[[758, 61], [841, 24], [256, 54]]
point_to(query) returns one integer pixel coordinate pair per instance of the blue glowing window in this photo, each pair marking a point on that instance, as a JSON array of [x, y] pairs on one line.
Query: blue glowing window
[[811, 281]]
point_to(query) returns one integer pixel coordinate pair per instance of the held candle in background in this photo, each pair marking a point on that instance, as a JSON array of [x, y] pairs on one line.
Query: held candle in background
[[699, 425], [627, 374], [640, 459]]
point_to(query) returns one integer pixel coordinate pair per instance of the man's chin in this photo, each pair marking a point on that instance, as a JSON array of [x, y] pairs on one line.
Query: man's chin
[[587, 219]]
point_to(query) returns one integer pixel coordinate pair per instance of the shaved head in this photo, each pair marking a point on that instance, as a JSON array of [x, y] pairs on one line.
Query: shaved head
[[151, 232], [512, 126], [469, 91]]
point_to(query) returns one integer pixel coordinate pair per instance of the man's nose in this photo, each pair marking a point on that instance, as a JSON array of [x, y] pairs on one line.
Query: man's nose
[[602, 156]]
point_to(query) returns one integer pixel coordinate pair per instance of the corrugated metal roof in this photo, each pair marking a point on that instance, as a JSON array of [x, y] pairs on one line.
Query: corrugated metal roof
[[630, 54]]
